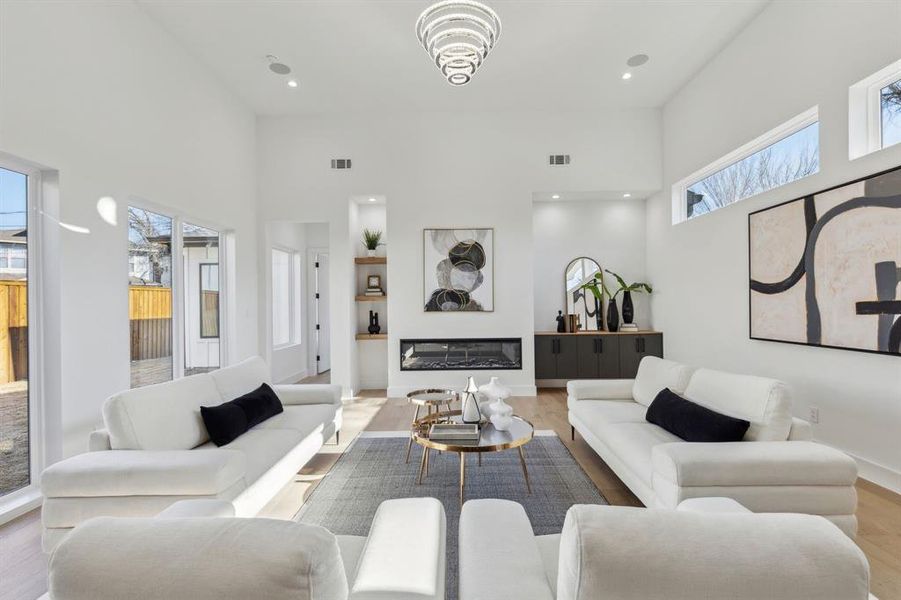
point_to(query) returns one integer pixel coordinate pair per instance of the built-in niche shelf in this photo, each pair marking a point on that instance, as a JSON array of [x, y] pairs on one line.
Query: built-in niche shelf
[[369, 336], [372, 298], [371, 260]]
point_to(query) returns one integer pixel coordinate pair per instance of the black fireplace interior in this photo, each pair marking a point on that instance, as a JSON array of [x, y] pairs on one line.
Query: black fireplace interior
[[461, 354]]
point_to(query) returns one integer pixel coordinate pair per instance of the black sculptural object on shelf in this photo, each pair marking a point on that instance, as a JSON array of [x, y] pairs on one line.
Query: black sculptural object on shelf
[[374, 326], [561, 322]]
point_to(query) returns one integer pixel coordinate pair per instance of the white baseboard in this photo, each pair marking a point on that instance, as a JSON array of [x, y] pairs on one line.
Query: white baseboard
[[294, 378], [400, 391], [878, 474]]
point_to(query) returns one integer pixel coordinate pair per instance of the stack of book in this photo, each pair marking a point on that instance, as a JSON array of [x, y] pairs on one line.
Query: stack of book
[[628, 327], [454, 431], [374, 291]]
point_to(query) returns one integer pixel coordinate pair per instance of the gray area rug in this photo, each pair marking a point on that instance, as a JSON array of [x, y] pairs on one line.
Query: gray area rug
[[373, 470]]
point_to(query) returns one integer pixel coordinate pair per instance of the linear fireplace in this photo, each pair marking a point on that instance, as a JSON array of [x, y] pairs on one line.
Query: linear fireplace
[[460, 354]]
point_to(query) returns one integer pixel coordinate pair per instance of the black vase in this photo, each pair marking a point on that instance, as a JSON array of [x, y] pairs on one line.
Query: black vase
[[374, 327], [628, 309], [612, 316]]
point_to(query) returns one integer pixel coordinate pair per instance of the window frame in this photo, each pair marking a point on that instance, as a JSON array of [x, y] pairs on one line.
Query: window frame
[[295, 297], [771, 137], [179, 218], [19, 501], [865, 111]]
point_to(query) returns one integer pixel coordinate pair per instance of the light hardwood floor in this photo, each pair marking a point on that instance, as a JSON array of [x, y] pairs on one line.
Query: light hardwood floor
[[23, 567]]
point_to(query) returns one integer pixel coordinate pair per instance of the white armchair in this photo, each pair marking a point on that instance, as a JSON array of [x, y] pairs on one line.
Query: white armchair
[[194, 551], [712, 549]]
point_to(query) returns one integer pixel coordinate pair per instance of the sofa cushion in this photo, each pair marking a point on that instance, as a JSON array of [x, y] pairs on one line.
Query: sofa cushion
[[263, 448], [151, 473], [604, 412], [654, 374], [633, 443], [764, 402], [241, 378], [302, 419], [230, 419], [205, 559], [165, 416], [693, 422]]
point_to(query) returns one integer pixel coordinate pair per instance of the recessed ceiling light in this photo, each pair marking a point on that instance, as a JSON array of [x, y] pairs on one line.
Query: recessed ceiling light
[[637, 60], [277, 67], [627, 75], [292, 83], [627, 195], [372, 199], [555, 197]]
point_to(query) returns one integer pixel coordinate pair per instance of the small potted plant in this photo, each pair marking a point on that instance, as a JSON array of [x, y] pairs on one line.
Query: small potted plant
[[599, 289], [372, 239]]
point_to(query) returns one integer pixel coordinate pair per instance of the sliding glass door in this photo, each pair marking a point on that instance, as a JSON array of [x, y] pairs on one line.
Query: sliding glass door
[[15, 407]]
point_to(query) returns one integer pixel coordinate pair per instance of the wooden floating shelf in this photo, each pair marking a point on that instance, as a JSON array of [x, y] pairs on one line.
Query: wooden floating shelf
[[372, 298], [369, 336], [371, 260]]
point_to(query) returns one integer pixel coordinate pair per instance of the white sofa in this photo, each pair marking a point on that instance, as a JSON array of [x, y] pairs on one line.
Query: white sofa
[[193, 551], [776, 468], [155, 450], [711, 550]]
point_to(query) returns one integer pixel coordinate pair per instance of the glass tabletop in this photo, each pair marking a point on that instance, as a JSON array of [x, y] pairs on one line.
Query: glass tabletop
[[432, 396], [490, 439]]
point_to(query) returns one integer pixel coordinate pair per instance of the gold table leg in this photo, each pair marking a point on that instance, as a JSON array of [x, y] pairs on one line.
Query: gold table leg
[[462, 475], [412, 427], [425, 454], [522, 460], [426, 461]]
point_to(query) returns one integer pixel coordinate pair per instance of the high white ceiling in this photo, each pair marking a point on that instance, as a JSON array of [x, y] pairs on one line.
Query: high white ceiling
[[362, 55]]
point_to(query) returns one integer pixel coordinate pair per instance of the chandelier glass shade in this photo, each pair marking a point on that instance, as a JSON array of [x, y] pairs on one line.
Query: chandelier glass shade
[[458, 35]]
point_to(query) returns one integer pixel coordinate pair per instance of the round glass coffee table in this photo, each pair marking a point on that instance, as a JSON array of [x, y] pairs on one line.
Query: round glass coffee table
[[490, 439], [431, 399]]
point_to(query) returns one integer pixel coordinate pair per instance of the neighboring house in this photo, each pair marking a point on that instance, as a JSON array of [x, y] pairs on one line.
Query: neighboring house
[[13, 254]]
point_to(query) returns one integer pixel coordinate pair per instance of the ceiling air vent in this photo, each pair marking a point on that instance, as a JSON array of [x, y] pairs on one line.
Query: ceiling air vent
[[557, 160], [340, 163]]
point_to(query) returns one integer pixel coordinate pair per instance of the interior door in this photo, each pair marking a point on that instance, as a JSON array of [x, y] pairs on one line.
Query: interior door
[[323, 329]]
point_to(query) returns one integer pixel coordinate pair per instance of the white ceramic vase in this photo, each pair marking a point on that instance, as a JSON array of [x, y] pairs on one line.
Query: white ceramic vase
[[471, 411], [501, 415], [370, 253]]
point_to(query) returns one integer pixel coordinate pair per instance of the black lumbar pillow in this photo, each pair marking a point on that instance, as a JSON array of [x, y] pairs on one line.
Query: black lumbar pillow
[[227, 421], [693, 422]]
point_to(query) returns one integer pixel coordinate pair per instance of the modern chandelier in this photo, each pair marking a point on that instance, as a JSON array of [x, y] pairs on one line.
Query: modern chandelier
[[458, 35]]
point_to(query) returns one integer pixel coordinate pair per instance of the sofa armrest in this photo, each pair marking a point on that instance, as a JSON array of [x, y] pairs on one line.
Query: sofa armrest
[[752, 464], [404, 555], [313, 393], [600, 389], [499, 556], [144, 473], [801, 431], [99, 441], [189, 509]]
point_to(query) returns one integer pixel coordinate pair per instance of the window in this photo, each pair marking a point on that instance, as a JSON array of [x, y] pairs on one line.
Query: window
[[874, 111], [785, 154], [15, 406], [890, 113], [149, 296], [200, 256], [286, 297]]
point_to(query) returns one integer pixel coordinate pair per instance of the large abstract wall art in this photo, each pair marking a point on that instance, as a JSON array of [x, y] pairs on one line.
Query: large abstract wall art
[[458, 270], [825, 270]]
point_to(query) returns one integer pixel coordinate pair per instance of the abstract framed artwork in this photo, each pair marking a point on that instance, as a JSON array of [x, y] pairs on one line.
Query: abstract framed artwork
[[825, 269], [458, 270]]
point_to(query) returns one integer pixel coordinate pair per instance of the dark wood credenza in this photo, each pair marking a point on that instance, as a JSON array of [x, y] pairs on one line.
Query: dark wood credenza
[[594, 354]]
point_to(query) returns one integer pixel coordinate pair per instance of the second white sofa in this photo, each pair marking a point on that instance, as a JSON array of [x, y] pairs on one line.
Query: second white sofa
[[776, 468], [155, 451]]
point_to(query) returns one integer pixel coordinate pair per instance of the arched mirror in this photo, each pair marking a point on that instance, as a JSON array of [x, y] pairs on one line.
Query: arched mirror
[[582, 302]]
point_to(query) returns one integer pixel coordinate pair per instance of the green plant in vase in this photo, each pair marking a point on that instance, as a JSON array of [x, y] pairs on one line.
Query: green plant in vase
[[372, 239], [599, 288]]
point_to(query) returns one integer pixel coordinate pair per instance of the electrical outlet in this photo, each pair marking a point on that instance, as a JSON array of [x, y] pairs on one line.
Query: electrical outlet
[[814, 414]]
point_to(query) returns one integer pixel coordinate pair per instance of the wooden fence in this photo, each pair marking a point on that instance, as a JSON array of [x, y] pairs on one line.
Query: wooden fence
[[13, 331], [150, 320]]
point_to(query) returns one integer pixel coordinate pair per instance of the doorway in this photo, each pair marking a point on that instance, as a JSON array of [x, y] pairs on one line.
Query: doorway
[[322, 322]]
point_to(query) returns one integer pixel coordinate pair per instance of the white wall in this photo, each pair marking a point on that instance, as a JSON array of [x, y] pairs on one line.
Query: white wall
[[445, 170], [612, 232], [793, 56], [98, 91]]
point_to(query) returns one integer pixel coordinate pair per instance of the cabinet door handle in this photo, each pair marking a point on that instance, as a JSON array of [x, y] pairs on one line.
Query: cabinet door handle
[[600, 346], [637, 345], [644, 345]]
